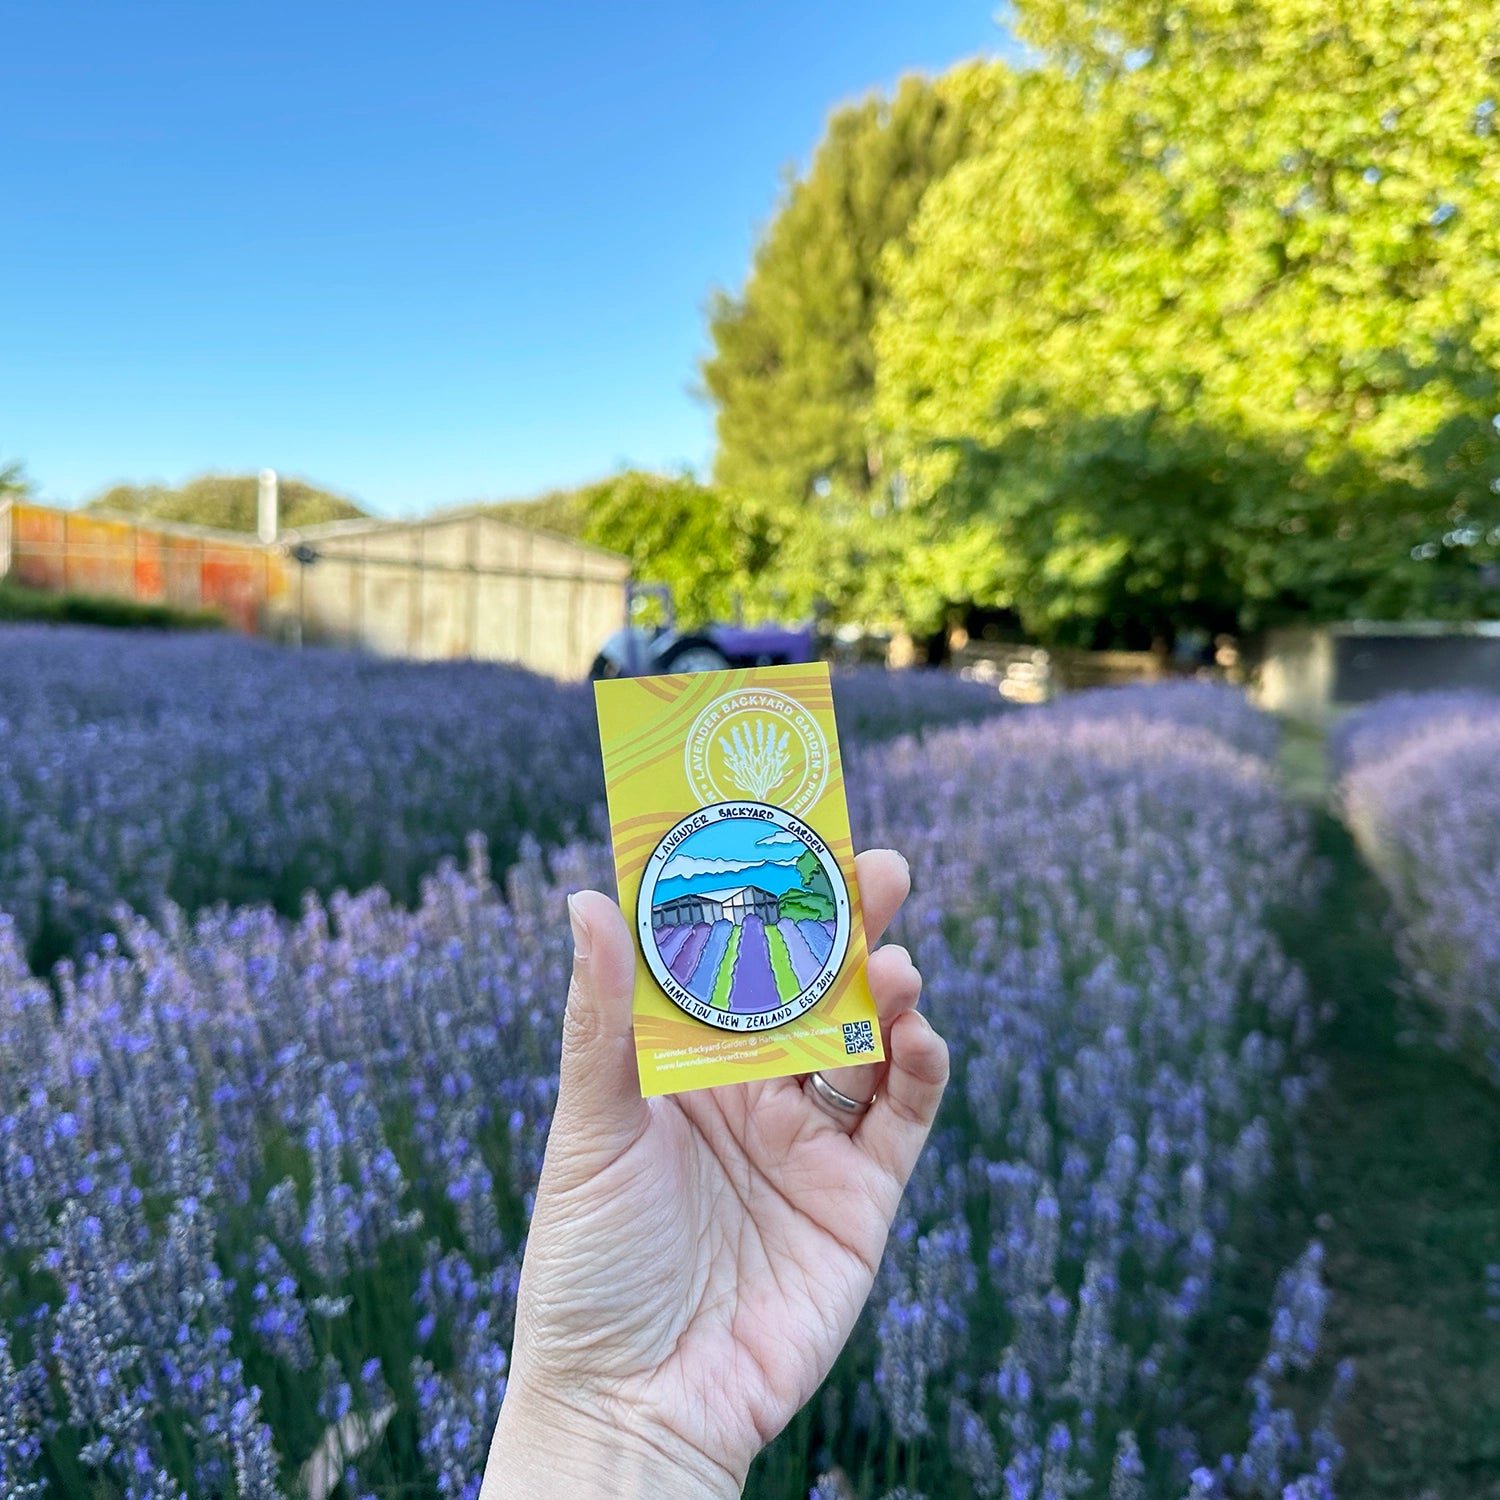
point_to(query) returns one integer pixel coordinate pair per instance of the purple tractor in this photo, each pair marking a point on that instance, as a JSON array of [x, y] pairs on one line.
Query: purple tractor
[[639, 651]]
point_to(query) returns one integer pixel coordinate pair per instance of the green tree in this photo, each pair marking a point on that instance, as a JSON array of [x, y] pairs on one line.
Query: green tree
[[714, 551], [227, 501], [1213, 321], [815, 900], [13, 482], [792, 373], [562, 511]]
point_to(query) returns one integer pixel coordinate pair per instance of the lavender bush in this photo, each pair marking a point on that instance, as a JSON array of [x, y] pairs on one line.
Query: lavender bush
[[213, 768], [1225, 714], [872, 704], [1093, 889], [267, 1180], [1417, 787]]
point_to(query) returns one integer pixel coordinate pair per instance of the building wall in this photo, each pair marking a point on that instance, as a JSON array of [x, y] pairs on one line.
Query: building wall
[[1369, 665], [1296, 675], [467, 586], [1307, 673]]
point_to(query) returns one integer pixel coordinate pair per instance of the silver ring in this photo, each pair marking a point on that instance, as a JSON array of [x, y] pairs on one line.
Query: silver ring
[[835, 1100]]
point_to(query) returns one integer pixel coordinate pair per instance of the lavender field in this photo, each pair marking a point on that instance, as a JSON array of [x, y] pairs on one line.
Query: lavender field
[[261, 1173], [1417, 784], [206, 768]]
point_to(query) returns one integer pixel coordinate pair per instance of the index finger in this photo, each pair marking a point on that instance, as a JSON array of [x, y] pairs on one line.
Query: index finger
[[884, 880]]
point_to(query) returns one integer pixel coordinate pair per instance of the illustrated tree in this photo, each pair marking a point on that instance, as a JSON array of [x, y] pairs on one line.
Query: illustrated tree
[[1209, 332], [815, 900]]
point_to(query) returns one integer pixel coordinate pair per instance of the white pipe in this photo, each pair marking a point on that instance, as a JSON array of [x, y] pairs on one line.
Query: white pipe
[[265, 509]]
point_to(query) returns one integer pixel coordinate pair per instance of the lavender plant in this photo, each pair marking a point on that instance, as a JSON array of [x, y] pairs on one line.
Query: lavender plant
[[211, 768], [1418, 790], [267, 1177], [1093, 897]]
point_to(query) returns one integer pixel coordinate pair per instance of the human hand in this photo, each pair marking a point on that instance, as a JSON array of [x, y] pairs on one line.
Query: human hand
[[696, 1262]]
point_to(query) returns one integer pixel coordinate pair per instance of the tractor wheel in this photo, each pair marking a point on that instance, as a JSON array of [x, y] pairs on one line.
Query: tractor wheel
[[693, 654]]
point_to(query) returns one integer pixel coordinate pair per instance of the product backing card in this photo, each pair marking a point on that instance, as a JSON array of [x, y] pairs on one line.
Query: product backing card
[[736, 872]]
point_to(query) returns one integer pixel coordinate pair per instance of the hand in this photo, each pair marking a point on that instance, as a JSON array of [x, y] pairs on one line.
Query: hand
[[696, 1262]]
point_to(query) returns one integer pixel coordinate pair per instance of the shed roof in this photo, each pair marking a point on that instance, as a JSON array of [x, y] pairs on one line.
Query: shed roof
[[733, 891], [390, 526]]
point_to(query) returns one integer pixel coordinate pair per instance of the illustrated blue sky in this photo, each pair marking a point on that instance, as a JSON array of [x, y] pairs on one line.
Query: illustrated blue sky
[[743, 841], [421, 254]]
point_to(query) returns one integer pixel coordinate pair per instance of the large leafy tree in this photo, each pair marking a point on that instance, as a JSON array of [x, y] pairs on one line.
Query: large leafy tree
[[717, 553], [792, 372], [1212, 327]]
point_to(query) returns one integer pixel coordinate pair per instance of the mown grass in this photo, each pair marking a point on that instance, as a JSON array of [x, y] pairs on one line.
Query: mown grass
[[1397, 1172], [1405, 1159]]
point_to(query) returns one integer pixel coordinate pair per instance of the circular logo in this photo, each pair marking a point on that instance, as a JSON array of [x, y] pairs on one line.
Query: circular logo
[[756, 743], [743, 916]]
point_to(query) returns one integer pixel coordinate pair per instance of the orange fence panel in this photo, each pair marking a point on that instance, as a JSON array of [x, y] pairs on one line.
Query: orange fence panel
[[66, 552]]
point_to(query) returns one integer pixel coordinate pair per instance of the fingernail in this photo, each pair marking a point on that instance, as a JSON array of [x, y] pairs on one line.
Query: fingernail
[[580, 931]]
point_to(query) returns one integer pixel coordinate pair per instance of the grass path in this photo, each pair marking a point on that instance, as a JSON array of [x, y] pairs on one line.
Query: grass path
[[1401, 1182]]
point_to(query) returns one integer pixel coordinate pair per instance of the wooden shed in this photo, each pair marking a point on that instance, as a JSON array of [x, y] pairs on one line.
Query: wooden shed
[[1314, 672]]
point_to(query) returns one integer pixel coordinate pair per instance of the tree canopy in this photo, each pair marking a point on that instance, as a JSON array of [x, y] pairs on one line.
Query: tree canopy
[[13, 480], [717, 553], [227, 501], [1209, 329], [793, 369]]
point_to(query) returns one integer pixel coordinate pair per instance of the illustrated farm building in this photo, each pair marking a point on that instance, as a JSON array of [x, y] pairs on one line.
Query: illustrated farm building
[[717, 906]]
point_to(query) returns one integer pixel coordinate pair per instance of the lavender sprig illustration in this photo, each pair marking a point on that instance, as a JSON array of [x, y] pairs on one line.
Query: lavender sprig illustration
[[756, 757]]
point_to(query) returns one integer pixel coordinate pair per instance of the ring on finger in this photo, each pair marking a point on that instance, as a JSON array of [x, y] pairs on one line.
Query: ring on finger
[[840, 1104]]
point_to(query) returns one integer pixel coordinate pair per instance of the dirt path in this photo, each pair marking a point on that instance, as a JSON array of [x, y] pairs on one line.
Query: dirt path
[[1401, 1182]]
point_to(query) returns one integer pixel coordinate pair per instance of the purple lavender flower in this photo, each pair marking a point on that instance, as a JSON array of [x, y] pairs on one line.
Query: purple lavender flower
[[1417, 789], [238, 1123]]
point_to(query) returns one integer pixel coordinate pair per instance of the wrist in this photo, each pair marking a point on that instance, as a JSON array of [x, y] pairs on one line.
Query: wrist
[[544, 1447]]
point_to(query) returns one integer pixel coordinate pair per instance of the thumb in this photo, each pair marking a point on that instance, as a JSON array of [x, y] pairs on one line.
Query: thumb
[[600, 1112]]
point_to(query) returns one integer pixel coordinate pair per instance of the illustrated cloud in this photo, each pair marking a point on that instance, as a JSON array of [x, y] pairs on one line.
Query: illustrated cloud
[[680, 866]]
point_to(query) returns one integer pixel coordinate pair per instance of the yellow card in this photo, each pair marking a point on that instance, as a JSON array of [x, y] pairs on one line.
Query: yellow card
[[736, 870]]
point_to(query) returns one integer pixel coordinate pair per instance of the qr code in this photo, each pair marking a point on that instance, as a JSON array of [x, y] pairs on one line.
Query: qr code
[[859, 1036]]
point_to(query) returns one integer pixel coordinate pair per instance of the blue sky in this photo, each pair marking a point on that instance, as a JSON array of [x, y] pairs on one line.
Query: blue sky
[[421, 254]]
